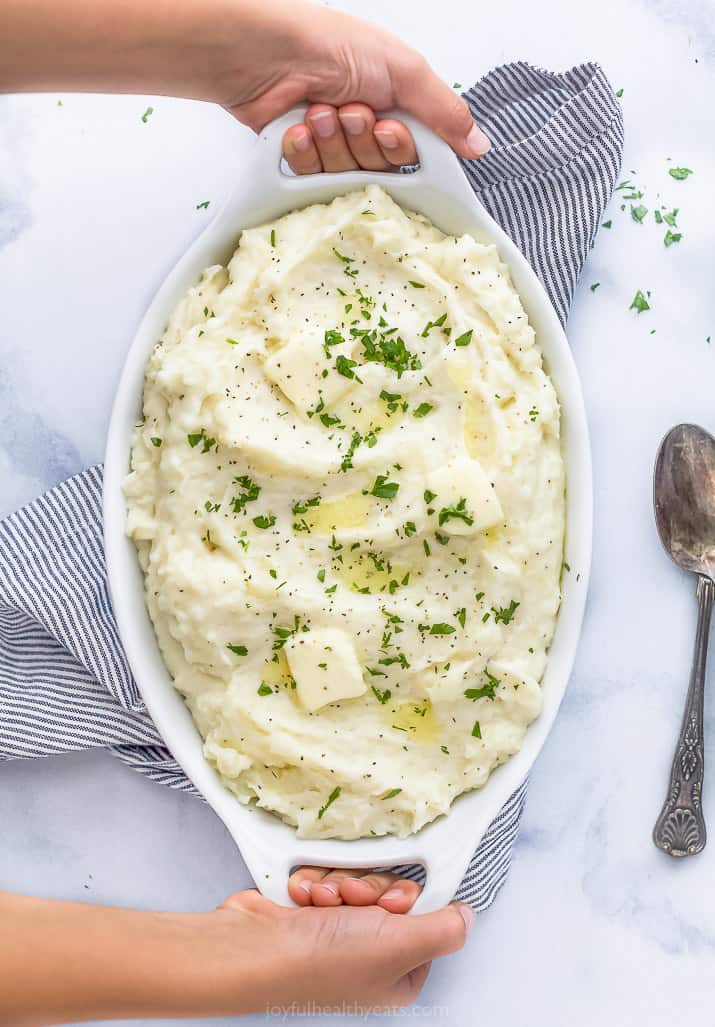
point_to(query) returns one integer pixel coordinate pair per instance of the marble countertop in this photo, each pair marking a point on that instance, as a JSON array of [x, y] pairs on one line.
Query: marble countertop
[[594, 925]]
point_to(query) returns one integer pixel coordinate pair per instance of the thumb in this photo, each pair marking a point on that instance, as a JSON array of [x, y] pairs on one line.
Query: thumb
[[421, 92], [427, 936]]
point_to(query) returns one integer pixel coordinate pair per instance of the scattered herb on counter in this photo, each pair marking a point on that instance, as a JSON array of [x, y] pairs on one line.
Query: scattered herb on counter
[[671, 237], [147, 114], [607, 224], [456, 85], [640, 303], [639, 213], [595, 286], [679, 174], [619, 93], [204, 205], [329, 802]]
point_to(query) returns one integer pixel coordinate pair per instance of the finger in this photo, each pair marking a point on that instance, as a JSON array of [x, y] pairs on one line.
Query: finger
[[300, 884], [422, 93], [390, 891], [357, 121], [395, 142], [327, 891], [429, 935], [300, 152], [335, 155]]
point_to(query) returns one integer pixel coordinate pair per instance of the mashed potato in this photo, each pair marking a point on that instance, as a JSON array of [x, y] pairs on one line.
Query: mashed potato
[[347, 496]]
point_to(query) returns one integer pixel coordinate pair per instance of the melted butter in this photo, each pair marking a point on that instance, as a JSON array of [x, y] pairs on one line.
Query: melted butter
[[351, 511], [416, 718], [357, 570], [277, 672], [459, 373], [478, 429]]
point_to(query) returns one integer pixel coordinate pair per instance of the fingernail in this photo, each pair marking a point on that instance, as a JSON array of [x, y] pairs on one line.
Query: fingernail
[[387, 139], [354, 124], [477, 142], [467, 914], [306, 886], [324, 123], [393, 893], [332, 886], [301, 141]]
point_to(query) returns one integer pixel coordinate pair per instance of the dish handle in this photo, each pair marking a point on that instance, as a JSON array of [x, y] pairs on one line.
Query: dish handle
[[270, 862], [437, 161]]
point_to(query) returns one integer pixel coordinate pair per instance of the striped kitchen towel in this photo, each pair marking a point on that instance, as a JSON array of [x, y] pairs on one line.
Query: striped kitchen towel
[[64, 680]]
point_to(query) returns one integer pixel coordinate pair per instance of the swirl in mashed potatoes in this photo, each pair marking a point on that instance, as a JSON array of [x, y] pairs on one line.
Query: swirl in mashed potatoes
[[348, 500]]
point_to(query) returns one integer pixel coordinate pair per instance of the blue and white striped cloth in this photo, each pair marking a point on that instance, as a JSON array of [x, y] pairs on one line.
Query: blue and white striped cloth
[[64, 680]]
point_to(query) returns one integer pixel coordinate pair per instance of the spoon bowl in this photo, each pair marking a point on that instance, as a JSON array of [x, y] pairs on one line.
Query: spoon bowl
[[684, 497]]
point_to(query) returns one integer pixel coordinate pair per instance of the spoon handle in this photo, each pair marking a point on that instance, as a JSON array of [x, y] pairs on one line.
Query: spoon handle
[[680, 828]]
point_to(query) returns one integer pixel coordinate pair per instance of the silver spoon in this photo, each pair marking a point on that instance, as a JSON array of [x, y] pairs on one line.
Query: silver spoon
[[684, 500]]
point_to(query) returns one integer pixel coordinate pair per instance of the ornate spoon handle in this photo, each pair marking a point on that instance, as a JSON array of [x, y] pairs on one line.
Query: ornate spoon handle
[[680, 828]]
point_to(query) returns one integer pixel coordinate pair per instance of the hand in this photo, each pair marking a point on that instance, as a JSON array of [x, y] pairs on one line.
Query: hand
[[335, 60], [357, 959], [318, 886], [346, 139]]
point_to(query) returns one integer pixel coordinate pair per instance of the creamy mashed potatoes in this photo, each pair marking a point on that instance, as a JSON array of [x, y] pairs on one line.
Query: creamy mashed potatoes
[[347, 495]]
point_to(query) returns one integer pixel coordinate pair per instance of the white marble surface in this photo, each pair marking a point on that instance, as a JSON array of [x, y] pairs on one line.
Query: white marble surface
[[594, 924]]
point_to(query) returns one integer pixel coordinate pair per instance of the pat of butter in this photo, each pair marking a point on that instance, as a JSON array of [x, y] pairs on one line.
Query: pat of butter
[[464, 479], [297, 370], [324, 666]]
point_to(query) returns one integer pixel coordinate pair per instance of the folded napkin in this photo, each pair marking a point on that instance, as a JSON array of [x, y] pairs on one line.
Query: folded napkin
[[64, 679]]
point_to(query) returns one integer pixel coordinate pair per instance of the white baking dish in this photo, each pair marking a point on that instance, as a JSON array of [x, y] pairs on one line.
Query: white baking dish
[[269, 847]]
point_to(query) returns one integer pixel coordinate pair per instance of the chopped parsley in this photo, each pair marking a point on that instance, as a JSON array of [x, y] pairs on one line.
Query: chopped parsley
[[417, 285], [486, 691], [680, 173], [433, 324], [639, 213], [232, 342], [458, 512], [273, 237], [201, 437], [204, 205], [462, 616], [264, 689], [607, 224], [505, 614], [239, 650], [147, 114], [156, 441], [671, 237], [640, 303], [330, 800], [438, 629], [477, 730], [265, 520], [392, 793], [423, 409], [344, 366], [595, 286], [250, 492], [465, 338], [384, 489]]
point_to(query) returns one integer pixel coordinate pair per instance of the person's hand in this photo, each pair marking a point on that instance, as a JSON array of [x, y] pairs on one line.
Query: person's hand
[[347, 68], [347, 138], [355, 959], [318, 886]]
